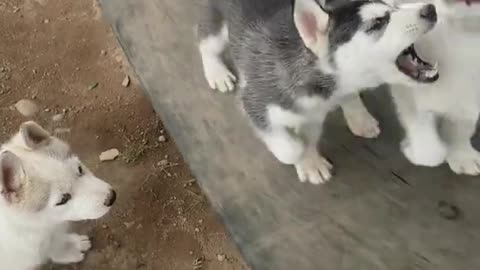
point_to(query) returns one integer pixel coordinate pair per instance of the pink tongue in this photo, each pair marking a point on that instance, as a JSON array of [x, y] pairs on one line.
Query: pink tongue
[[409, 64]]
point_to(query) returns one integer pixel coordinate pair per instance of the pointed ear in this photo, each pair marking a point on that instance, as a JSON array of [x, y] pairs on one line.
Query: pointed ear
[[12, 177], [311, 22], [34, 135]]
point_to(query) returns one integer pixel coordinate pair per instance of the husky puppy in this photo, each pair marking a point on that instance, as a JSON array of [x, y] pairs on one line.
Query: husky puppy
[[297, 60], [454, 98], [43, 186]]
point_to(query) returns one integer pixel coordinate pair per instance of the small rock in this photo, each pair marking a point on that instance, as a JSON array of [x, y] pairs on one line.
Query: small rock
[[47, 110], [162, 139], [104, 226], [59, 131], [16, 9], [57, 117], [128, 225], [103, 52], [27, 107], [200, 221], [109, 155], [34, 71], [190, 252], [221, 257], [197, 230], [46, 21], [162, 163], [126, 81], [93, 86]]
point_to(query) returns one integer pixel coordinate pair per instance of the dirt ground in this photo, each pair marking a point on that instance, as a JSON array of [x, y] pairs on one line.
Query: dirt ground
[[61, 55]]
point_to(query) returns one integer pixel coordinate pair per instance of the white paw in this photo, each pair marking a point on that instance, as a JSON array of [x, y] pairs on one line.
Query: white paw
[[465, 161], [363, 124], [81, 242], [429, 154], [314, 168], [73, 250], [218, 76]]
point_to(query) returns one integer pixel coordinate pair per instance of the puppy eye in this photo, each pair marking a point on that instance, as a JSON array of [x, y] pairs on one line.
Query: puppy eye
[[80, 170], [379, 22], [65, 198]]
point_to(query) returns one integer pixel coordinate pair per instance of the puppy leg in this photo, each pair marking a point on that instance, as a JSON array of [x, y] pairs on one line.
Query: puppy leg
[[422, 144], [284, 144], [359, 120], [69, 248], [213, 40], [313, 167], [462, 157]]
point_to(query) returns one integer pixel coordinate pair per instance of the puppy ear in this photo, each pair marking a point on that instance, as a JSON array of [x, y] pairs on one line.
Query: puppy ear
[[311, 22], [12, 177], [33, 135]]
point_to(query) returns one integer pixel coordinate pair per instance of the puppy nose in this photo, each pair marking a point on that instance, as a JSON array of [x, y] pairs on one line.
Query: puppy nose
[[112, 197], [429, 12]]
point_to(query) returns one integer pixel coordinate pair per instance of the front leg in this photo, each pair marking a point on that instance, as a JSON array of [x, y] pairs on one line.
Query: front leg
[[462, 157], [313, 167], [69, 248], [422, 144], [360, 122]]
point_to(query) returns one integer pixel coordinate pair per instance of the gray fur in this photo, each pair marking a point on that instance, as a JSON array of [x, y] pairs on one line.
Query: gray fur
[[266, 47]]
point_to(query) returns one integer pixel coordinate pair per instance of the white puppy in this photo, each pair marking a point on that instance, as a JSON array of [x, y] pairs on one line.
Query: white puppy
[[43, 186], [454, 98]]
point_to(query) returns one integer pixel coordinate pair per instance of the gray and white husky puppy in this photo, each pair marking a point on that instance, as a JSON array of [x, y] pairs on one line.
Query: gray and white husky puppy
[[297, 60]]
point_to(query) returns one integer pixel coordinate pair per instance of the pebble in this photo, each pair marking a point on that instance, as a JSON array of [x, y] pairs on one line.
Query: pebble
[[162, 163], [59, 131], [46, 21], [57, 117], [162, 139], [128, 225], [27, 107], [103, 52], [221, 257], [109, 155], [197, 230], [126, 81]]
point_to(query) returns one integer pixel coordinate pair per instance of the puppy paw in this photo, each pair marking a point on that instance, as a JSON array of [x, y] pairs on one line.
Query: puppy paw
[[81, 242], [363, 124], [466, 161], [429, 154], [314, 168], [72, 249], [218, 76]]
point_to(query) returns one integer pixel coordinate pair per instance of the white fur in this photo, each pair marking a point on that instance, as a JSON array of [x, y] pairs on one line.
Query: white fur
[[375, 64], [36, 171], [359, 120], [455, 97], [293, 138], [216, 72]]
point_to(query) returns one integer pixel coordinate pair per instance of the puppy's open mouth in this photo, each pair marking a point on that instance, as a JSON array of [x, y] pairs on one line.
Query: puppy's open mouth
[[409, 63]]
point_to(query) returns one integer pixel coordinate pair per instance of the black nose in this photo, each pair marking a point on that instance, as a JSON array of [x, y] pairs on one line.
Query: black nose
[[112, 197], [429, 12]]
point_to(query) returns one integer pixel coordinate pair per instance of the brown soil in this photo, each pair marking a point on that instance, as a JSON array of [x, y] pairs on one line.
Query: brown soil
[[54, 52]]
